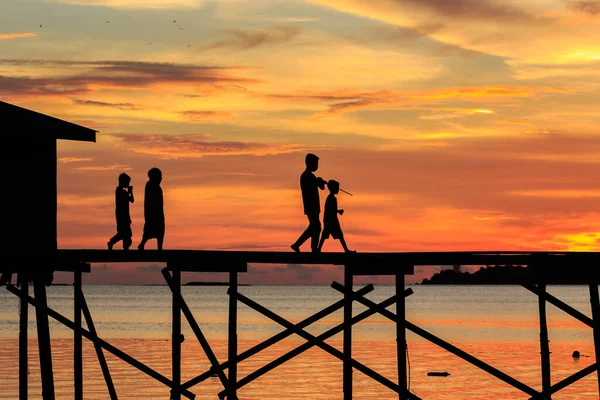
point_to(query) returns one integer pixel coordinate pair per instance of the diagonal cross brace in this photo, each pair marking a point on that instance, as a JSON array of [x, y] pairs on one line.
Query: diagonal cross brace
[[278, 337], [196, 329], [309, 337], [567, 381], [443, 344], [319, 341], [561, 305], [101, 359], [102, 343]]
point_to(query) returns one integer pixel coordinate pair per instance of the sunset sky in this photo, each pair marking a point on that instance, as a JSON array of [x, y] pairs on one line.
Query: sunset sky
[[457, 125]]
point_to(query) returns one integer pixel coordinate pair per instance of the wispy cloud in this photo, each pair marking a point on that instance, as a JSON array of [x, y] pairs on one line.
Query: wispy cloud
[[350, 100], [137, 4], [421, 36], [17, 35], [456, 9], [559, 193], [448, 113], [245, 39], [120, 106], [202, 115], [472, 9], [66, 160], [88, 76], [196, 145], [115, 167], [492, 27], [590, 7]]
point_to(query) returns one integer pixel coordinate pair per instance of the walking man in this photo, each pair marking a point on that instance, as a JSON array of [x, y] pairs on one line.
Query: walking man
[[310, 185]]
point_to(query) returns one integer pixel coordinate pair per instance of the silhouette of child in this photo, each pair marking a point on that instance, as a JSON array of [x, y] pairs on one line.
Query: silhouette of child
[[330, 218], [123, 196], [154, 215]]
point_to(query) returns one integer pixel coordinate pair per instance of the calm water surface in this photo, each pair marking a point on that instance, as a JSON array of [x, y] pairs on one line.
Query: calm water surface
[[498, 324]]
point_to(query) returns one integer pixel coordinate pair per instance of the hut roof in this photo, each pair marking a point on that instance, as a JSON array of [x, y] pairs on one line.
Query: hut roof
[[27, 122]]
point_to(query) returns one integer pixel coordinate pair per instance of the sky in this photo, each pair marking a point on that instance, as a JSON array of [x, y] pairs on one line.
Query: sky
[[456, 125]]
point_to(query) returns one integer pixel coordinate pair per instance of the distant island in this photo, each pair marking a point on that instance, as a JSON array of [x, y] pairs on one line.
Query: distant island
[[212, 284], [508, 275]]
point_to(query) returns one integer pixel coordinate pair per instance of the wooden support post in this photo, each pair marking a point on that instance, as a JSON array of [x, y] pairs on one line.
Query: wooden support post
[[23, 337], [77, 339], [232, 337], [176, 336], [401, 337], [102, 343], [43, 331], [544, 345], [595, 303], [347, 363], [215, 366]]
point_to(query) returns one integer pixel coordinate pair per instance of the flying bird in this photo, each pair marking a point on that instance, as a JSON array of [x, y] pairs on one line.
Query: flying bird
[[107, 22], [174, 21], [40, 26], [189, 45]]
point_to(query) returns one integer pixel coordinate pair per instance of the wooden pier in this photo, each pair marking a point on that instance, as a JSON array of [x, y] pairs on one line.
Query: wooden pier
[[544, 265]]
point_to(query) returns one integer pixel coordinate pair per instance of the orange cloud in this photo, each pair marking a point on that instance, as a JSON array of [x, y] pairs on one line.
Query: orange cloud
[[120, 106], [196, 145], [586, 7], [197, 115], [350, 100], [115, 75], [587, 241], [559, 193], [17, 35], [136, 4], [73, 159], [116, 167]]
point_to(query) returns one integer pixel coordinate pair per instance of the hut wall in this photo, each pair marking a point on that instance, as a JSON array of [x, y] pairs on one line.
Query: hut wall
[[30, 194]]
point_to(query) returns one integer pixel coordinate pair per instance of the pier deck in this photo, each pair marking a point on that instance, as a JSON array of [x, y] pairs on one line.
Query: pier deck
[[398, 264]]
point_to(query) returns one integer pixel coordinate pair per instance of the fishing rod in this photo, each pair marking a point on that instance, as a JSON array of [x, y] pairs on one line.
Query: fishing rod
[[342, 190]]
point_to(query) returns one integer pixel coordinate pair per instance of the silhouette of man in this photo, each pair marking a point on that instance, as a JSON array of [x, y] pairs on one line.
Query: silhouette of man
[[310, 185]]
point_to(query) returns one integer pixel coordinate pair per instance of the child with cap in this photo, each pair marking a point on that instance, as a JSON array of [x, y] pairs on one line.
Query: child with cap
[[330, 218]]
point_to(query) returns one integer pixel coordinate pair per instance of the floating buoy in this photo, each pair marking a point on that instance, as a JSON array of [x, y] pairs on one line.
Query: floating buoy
[[438, 373]]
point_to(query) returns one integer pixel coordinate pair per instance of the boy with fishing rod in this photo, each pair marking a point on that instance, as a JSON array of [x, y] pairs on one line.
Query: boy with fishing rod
[[331, 222]]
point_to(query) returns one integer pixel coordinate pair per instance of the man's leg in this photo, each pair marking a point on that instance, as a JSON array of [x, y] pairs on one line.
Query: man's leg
[[321, 243], [303, 238], [127, 242], [113, 240]]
